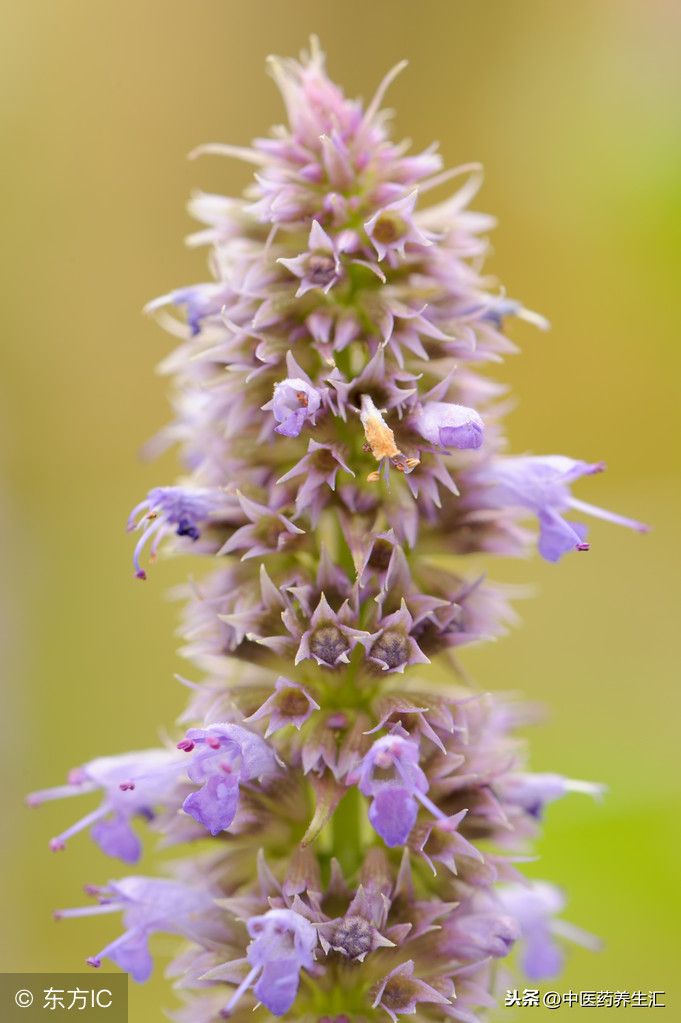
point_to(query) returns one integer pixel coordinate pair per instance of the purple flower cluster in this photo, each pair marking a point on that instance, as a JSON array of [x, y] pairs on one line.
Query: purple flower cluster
[[343, 455]]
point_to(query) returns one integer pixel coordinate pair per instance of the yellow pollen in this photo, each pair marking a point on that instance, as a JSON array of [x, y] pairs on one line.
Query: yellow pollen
[[380, 437]]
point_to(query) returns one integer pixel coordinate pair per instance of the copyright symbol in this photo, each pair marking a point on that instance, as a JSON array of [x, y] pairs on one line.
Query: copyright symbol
[[551, 999], [23, 998]]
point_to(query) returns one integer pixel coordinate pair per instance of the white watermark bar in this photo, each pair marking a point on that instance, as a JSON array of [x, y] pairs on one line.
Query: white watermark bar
[[88, 997]]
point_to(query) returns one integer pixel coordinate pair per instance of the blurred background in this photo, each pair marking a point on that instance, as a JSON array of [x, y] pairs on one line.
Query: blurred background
[[574, 110]]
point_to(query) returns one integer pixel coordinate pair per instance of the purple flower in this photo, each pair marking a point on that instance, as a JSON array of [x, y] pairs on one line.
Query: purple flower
[[181, 510], [266, 531], [283, 945], [329, 639], [359, 931], [533, 791], [535, 907], [440, 840], [319, 467], [393, 646], [396, 387], [476, 931], [541, 484], [223, 755], [289, 704], [392, 227], [446, 425], [294, 401], [201, 301], [148, 905], [320, 266], [391, 775], [400, 991], [133, 784]]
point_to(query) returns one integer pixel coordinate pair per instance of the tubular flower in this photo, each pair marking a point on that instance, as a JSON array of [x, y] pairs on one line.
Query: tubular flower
[[148, 905], [391, 775], [349, 813], [448, 425], [134, 784], [180, 510], [295, 401], [542, 486], [283, 944], [223, 756]]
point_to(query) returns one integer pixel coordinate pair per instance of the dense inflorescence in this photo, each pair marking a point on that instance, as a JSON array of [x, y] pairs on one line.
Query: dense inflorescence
[[361, 808]]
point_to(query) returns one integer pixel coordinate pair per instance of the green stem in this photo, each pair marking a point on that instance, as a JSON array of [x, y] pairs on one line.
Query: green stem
[[346, 831]]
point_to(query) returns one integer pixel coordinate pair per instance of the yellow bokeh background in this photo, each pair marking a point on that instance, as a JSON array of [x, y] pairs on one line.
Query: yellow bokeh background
[[574, 109]]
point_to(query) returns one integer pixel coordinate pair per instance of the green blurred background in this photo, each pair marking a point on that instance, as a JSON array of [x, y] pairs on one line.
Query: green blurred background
[[574, 110]]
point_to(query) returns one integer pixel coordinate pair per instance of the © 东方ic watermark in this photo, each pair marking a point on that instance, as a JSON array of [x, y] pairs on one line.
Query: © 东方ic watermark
[[29, 997]]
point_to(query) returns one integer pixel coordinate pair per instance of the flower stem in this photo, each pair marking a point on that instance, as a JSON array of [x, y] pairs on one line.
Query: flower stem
[[347, 827]]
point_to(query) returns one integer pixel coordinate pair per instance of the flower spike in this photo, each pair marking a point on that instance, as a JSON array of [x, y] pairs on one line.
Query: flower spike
[[343, 335]]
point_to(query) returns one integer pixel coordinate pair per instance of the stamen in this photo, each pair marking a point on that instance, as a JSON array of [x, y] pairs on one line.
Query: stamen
[[122, 940], [602, 513], [243, 986], [59, 792], [58, 843], [102, 907], [148, 532], [132, 519], [422, 798]]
